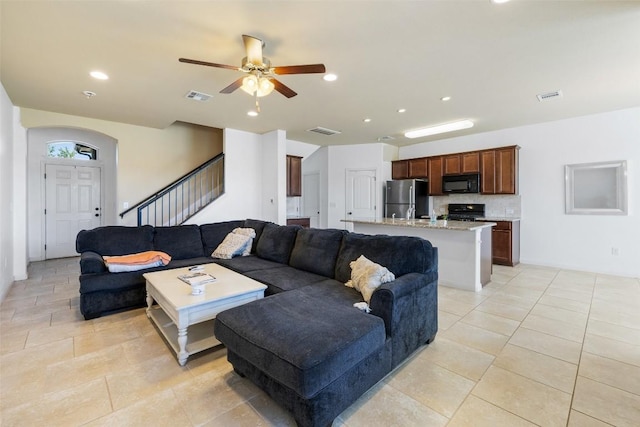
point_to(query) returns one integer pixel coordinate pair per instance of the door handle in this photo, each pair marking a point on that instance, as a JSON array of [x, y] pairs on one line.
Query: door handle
[[97, 209], [97, 214], [349, 213]]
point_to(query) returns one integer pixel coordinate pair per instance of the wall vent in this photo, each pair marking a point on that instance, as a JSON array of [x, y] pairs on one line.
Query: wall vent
[[549, 95], [324, 131], [197, 96]]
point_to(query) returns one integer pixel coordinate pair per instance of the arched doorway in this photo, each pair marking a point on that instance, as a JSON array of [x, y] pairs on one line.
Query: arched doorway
[[71, 186]]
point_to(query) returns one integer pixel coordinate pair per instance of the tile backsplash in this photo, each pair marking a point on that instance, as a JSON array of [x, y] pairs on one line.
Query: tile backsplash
[[495, 206]]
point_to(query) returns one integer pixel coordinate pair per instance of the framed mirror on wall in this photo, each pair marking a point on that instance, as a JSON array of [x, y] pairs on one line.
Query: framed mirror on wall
[[596, 188]]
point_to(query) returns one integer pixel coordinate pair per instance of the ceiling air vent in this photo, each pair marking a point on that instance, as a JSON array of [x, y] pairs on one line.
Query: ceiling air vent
[[197, 96], [549, 95], [324, 131], [385, 138]]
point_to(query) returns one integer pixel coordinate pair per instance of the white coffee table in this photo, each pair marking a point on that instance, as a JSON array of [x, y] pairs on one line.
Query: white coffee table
[[186, 320]]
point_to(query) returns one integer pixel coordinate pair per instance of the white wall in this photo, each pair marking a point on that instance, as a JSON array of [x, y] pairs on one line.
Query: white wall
[[274, 177], [318, 162], [243, 180], [300, 149], [6, 192], [549, 236], [344, 157]]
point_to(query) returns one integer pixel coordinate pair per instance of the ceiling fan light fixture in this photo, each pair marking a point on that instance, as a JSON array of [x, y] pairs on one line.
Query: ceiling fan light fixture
[[434, 130], [252, 84]]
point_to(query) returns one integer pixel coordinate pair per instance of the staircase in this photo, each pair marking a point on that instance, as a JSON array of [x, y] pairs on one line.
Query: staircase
[[184, 197]]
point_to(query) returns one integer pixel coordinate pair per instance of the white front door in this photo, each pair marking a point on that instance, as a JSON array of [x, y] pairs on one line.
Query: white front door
[[311, 198], [360, 195], [72, 203]]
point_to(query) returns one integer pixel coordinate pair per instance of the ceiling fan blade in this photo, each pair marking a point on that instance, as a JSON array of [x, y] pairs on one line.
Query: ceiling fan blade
[[208, 64], [253, 46], [285, 90], [233, 86], [300, 69]]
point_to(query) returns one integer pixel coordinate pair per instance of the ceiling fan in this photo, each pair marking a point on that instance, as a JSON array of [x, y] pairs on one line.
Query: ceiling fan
[[259, 80]]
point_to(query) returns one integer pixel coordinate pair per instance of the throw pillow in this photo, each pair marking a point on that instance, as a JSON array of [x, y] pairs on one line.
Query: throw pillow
[[367, 276], [234, 244], [249, 232]]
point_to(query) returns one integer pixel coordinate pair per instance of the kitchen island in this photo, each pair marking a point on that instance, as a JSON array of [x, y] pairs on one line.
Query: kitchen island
[[464, 247]]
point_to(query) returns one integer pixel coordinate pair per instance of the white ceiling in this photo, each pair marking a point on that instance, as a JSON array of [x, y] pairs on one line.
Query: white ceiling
[[491, 59]]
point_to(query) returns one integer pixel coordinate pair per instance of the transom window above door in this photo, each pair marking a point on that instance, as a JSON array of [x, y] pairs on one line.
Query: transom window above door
[[71, 150]]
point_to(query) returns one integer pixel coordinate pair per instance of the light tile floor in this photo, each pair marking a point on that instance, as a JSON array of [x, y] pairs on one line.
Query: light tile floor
[[538, 346]]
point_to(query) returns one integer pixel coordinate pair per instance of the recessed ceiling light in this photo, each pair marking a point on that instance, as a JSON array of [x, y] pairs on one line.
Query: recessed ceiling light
[[367, 120], [252, 113], [445, 98], [99, 75], [330, 77], [433, 130], [402, 110], [499, 1]]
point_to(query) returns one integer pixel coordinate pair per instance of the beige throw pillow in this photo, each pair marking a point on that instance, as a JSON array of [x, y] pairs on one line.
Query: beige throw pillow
[[367, 276]]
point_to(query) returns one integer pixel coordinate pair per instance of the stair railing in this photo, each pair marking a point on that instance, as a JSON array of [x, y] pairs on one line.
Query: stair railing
[[184, 197]]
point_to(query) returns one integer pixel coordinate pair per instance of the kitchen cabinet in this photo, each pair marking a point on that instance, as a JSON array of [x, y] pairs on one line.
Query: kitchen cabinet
[[452, 165], [505, 243], [435, 168], [419, 168], [294, 176], [400, 169], [470, 162], [488, 172], [499, 171], [304, 222], [461, 163], [506, 174]]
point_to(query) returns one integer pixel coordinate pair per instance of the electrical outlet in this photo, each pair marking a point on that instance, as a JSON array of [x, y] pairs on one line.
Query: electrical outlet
[[509, 211], [125, 205], [615, 251]]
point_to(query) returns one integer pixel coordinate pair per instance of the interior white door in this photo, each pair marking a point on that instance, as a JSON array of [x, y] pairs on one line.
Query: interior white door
[[360, 195], [311, 198], [72, 203]]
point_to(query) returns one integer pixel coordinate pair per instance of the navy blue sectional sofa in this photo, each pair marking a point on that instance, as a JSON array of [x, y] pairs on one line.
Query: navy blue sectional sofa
[[305, 343]]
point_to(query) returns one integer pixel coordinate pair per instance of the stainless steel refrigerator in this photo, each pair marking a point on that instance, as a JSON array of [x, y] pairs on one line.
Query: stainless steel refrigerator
[[403, 193]]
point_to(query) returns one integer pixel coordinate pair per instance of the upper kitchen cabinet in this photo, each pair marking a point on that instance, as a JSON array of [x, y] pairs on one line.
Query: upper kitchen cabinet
[[507, 170], [400, 169], [419, 168], [499, 170], [294, 176], [435, 175], [461, 163]]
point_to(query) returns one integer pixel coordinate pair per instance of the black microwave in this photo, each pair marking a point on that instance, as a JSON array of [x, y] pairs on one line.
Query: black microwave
[[467, 183]]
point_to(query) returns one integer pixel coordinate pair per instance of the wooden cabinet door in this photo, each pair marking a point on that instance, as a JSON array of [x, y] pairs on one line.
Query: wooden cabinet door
[[435, 176], [488, 172], [506, 173], [400, 169], [452, 164], [419, 168], [471, 162], [501, 245], [294, 176]]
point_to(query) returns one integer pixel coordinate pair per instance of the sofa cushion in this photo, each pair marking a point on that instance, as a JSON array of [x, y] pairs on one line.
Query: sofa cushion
[[115, 240], [245, 264], [388, 251], [328, 339], [316, 250], [214, 234], [276, 242], [284, 278], [258, 226], [181, 241]]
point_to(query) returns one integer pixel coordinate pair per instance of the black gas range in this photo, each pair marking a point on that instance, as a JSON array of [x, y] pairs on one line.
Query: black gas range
[[466, 211]]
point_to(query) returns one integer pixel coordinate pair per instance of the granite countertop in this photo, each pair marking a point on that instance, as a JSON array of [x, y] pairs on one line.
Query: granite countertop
[[424, 223], [499, 218]]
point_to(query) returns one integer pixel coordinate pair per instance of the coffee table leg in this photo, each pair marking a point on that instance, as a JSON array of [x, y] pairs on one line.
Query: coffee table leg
[[149, 304], [182, 342]]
